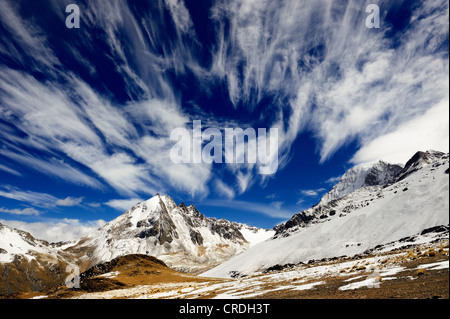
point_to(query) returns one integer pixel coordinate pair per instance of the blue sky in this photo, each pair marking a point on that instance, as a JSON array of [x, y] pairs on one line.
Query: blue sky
[[86, 113]]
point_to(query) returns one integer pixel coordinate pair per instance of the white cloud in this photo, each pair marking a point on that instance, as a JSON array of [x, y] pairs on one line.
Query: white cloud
[[75, 121], [344, 82], [37, 198], [69, 201], [312, 192], [333, 180], [223, 189], [427, 131], [277, 204], [9, 170], [260, 208], [95, 205], [309, 193], [53, 167], [27, 37], [29, 211], [33, 198], [273, 196], [180, 15], [57, 230], [326, 72], [56, 123], [123, 204]]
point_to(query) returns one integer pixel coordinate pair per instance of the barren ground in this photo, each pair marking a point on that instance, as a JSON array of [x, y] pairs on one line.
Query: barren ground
[[418, 272]]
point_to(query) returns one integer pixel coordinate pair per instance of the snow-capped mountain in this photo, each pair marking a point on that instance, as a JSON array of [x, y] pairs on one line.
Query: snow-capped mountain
[[372, 205], [27, 263], [371, 176], [416, 199], [179, 235], [420, 160], [380, 173], [14, 242]]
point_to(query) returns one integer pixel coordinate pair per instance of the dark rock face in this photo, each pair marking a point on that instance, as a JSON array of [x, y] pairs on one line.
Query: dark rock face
[[161, 226], [226, 229], [418, 160], [305, 218], [436, 229], [168, 229], [382, 173], [196, 237], [149, 232]]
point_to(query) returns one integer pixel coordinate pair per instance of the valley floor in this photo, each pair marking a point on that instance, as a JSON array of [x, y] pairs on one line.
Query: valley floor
[[416, 272]]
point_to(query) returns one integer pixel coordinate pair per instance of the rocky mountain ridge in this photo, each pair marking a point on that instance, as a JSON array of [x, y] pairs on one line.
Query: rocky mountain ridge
[[364, 175], [27, 263], [361, 178], [417, 199], [177, 234], [187, 241], [180, 235]]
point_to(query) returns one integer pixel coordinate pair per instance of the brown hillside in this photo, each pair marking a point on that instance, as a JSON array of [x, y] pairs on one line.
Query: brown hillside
[[123, 272]]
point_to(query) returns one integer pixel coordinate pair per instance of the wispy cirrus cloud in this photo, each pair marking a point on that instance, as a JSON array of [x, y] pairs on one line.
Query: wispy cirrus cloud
[[342, 81], [69, 201], [272, 196], [125, 147], [9, 170], [224, 190], [333, 180], [30, 197], [273, 211], [37, 199], [417, 134], [29, 211], [312, 192], [28, 42], [307, 194], [321, 69]]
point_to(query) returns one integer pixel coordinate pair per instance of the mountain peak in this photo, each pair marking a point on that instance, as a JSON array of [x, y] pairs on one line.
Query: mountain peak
[[178, 234], [380, 173], [419, 160]]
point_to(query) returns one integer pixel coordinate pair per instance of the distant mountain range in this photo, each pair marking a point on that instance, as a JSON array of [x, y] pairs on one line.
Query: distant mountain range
[[179, 235], [357, 215], [371, 205]]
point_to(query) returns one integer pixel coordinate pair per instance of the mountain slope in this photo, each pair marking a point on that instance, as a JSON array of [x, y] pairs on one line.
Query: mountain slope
[[179, 235], [27, 263], [184, 238], [419, 161], [362, 175], [129, 271], [361, 220]]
